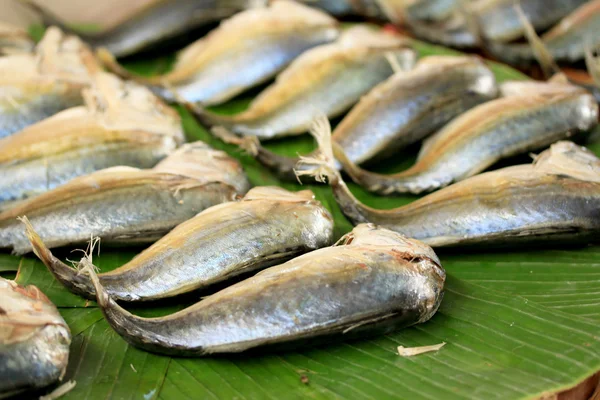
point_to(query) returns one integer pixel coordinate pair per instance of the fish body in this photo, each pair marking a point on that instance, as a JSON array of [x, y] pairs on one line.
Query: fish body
[[34, 339], [566, 41], [37, 85], [500, 22], [533, 116], [328, 79], [269, 225], [244, 51], [157, 21], [556, 199], [411, 105], [128, 205], [121, 124], [14, 39], [373, 281]]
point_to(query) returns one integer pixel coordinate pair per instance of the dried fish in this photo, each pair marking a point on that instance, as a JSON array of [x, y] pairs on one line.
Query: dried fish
[[566, 41], [328, 79], [372, 281], [14, 39], [493, 21], [158, 20], [246, 50], [555, 199], [268, 226], [531, 116], [500, 22], [431, 10], [121, 124], [34, 86], [34, 339], [127, 205], [399, 111]]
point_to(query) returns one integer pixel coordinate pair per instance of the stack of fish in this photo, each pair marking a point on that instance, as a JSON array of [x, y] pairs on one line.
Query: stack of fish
[[87, 154]]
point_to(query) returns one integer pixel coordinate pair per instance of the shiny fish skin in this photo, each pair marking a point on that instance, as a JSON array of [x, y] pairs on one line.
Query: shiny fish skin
[[121, 124], [399, 111], [327, 79], [556, 199], [37, 85], [536, 115], [373, 281], [160, 20], [14, 39], [268, 226], [566, 41], [244, 51], [34, 339], [127, 205]]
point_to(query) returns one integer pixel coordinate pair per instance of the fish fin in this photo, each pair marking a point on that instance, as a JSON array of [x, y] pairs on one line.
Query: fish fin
[[592, 62], [323, 163], [89, 269], [540, 51], [67, 275]]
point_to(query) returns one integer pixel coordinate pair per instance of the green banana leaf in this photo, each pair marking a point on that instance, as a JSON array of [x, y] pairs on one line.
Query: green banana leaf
[[520, 324]]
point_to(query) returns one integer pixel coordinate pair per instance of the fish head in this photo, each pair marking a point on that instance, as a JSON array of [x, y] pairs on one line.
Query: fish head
[[199, 161]]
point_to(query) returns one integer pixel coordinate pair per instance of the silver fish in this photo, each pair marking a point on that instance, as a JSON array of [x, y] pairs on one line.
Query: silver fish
[[34, 340], [127, 205], [244, 51], [157, 21], [14, 39], [268, 226], [327, 79], [556, 199], [531, 116], [566, 41], [372, 281], [37, 85], [121, 124], [399, 111]]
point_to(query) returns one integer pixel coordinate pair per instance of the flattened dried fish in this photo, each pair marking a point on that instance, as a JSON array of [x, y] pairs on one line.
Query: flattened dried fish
[[534, 116], [14, 39], [158, 20], [246, 50], [328, 79], [399, 111], [567, 41], [37, 85], [128, 205], [373, 281], [34, 339], [557, 198], [268, 226], [121, 124]]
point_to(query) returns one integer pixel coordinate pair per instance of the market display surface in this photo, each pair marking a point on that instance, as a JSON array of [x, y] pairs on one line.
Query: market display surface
[[511, 309]]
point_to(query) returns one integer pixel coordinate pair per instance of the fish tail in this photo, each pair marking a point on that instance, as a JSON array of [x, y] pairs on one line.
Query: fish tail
[[322, 166], [68, 276], [282, 166], [322, 163], [109, 61], [539, 49]]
